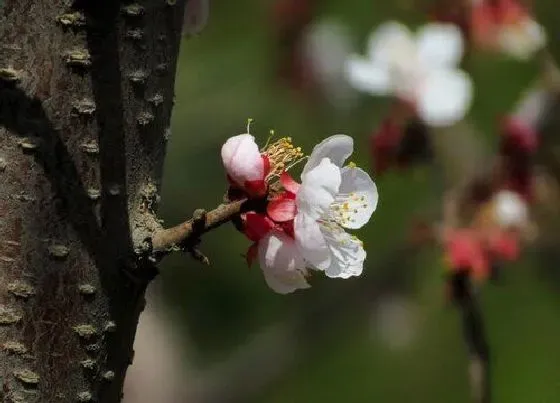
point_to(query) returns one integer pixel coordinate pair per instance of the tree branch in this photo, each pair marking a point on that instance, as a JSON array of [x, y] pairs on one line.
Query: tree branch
[[188, 232]]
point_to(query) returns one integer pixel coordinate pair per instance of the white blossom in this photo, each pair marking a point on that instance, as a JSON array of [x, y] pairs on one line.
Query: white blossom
[[281, 262], [420, 69], [333, 197]]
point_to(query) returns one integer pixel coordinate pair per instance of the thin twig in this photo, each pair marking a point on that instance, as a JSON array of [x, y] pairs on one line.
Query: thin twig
[[202, 222], [474, 336]]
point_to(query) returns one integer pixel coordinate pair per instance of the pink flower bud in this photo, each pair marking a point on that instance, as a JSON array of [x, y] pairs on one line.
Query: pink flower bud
[[244, 164]]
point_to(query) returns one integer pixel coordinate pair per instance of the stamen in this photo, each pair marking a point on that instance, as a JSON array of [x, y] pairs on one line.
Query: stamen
[[268, 139], [282, 156], [345, 207], [249, 121]]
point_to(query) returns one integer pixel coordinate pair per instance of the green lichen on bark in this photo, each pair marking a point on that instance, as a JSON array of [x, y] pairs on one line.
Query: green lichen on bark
[[27, 376]]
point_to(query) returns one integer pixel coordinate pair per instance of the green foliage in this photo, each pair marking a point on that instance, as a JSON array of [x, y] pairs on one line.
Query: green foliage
[[225, 77]]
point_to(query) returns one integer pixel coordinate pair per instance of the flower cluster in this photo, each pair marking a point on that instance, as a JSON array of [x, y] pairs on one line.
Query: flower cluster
[[507, 27], [493, 237], [303, 225]]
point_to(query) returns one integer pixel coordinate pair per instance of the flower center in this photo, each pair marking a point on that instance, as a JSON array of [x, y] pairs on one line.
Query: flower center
[[282, 156], [345, 208], [335, 234]]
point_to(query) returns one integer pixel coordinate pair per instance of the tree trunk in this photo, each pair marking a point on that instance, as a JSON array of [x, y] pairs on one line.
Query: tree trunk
[[86, 91]]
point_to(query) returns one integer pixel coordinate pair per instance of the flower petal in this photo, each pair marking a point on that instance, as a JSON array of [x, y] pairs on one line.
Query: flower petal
[[390, 43], [282, 209], [289, 183], [444, 97], [318, 189], [440, 45], [311, 241], [365, 76], [257, 225], [348, 254], [282, 265], [242, 159], [337, 148], [362, 196]]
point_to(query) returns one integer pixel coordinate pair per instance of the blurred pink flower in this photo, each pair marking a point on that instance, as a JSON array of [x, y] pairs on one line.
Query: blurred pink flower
[[506, 26]]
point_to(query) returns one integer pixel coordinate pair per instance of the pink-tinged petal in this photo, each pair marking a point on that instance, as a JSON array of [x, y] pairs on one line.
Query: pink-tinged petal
[[288, 228], [256, 188], [282, 264], [282, 209], [266, 165], [252, 253], [242, 159], [289, 183], [257, 226]]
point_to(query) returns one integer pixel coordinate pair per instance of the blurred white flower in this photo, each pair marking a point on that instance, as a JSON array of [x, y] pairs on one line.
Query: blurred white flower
[[419, 69], [282, 264], [332, 197], [327, 45], [510, 209]]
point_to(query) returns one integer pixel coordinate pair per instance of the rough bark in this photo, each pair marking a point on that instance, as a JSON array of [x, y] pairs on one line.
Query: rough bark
[[86, 91]]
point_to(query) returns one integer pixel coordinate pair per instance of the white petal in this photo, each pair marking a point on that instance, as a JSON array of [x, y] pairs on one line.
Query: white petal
[[510, 209], [337, 148], [440, 45], [362, 196], [444, 97], [318, 189], [365, 76], [242, 159], [282, 264], [348, 254], [392, 42], [311, 241]]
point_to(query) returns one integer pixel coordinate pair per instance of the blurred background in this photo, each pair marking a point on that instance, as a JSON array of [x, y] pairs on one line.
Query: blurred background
[[219, 334]]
